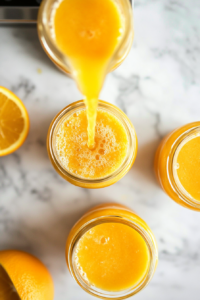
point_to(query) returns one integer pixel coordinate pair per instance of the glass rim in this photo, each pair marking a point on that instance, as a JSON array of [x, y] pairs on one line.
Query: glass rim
[[124, 294], [182, 193], [131, 151]]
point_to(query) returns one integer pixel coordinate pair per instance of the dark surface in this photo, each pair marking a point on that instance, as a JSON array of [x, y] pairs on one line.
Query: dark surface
[[17, 3], [22, 2]]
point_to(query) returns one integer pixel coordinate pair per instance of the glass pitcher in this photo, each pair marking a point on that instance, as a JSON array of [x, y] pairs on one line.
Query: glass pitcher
[[61, 60]]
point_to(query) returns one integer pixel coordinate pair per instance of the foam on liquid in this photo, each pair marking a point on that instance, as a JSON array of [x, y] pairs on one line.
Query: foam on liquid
[[111, 143]]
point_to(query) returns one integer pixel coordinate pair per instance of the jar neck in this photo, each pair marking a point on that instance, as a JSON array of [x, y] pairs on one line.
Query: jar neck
[[146, 235], [172, 167]]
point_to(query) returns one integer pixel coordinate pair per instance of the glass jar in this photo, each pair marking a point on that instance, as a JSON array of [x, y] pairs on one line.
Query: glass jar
[[61, 60], [110, 213], [165, 164], [92, 183]]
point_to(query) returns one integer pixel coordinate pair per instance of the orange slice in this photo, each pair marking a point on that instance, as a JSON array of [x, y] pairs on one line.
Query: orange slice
[[14, 122], [24, 277]]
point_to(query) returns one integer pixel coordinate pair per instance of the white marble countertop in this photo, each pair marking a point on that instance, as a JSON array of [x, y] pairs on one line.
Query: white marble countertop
[[158, 86]]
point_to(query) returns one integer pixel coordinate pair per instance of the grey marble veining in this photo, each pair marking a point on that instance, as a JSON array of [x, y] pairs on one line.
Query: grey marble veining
[[158, 87]]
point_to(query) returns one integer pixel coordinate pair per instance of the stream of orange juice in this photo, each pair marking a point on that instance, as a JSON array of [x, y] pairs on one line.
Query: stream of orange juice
[[88, 33]]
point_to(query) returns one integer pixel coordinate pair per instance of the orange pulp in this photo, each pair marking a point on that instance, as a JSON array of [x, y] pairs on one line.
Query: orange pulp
[[111, 143]]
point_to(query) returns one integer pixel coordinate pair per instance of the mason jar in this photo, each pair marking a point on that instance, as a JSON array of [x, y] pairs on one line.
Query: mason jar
[[110, 179], [60, 59], [165, 164], [110, 213]]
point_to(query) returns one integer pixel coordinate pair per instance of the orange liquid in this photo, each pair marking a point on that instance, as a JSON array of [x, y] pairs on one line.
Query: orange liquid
[[88, 33], [109, 152], [188, 167], [112, 257], [187, 173]]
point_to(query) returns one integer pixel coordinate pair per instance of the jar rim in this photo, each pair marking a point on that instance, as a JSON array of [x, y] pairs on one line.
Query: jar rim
[[149, 240], [103, 181], [182, 193]]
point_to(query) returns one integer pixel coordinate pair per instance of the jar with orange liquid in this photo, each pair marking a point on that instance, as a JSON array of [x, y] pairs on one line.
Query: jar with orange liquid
[[177, 165], [111, 252], [60, 59], [114, 153]]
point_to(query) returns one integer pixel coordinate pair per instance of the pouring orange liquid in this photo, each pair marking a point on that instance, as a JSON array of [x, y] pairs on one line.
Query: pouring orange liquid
[[88, 33]]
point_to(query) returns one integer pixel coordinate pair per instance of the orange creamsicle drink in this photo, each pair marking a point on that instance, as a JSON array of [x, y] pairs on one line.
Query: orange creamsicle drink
[[111, 254], [88, 33]]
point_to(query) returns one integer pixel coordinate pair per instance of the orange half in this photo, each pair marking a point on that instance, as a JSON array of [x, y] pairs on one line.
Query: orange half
[[14, 122], [24, 277]]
